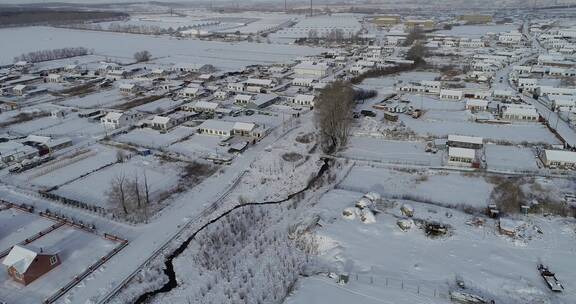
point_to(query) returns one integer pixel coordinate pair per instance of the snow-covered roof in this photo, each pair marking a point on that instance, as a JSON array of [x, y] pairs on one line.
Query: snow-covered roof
[[461, 152], [476, 102], [206, 105], [560, 156], [305, 97], [21, 257], [162, 120], [259, 82], [465, 139], [217, 125], [113, 115], [244, 126], [38, 139], [127, 86], [243, 97], [312, 66], [521, 110]]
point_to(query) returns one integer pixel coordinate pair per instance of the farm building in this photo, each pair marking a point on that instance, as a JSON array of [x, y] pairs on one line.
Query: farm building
[[519, 112], [559, 159], [26, 263], [312, 69]]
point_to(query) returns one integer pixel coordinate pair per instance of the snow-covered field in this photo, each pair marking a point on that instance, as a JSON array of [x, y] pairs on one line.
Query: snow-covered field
[[387, 265], [390, 151], [92, 189], [445, 188], [226, 56], [514, 133], [64, 170], [510, 158], [16, 226], [76, 249], [151, 138]]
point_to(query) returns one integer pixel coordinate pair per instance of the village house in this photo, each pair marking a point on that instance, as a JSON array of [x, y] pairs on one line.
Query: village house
[[259, 101], [236, 86], [516, 112], [543, 91], [129, 88], [264, 83], [461, 157], [222, 95], [304, 100], [471, 43], [117, 74], [114, 120], [13, 152], [527, 85], [503, 95], [217, 128], [476, 105], [228, 128], [166, 122], [559, 159], [303, 82], [451, 94], [47, 144], [54, 78], [562, 103], [26, 263], [20, 89], [509, 38], [192, 92], [201, 107], [424, 87]]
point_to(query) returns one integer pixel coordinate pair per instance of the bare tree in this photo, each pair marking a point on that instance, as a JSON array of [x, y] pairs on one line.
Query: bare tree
[[333, 112], [146, 196], [117, 192], [142, 56]]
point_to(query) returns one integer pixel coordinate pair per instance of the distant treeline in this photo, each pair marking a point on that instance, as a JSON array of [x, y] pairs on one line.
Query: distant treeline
[[46, 55], [27, 17]]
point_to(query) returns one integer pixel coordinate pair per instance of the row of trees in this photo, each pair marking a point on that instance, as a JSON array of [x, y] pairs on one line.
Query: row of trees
[[333, 114], [46, 55], [334, 36], [130, 195]]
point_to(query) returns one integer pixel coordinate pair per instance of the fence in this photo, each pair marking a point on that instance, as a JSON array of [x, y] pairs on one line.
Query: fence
[[423, 288]]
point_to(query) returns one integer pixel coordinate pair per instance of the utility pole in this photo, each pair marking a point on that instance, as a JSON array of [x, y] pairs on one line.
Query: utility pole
[[311, 10], [285, 5]]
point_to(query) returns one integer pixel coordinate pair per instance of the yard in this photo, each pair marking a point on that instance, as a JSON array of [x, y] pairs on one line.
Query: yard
[[444, 188], [388, 265], [92, 188], [76, 249], [16, 226]]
